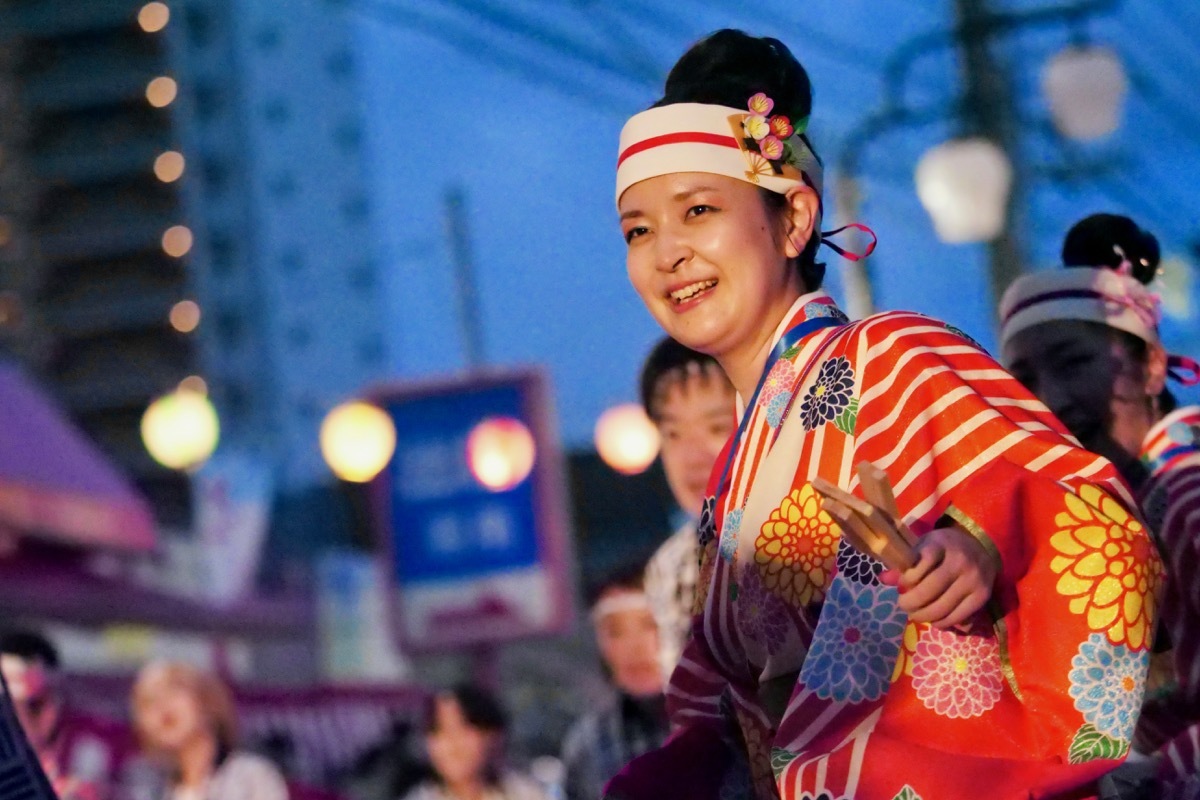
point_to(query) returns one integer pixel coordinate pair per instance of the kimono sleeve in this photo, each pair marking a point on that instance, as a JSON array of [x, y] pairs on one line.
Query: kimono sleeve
[[1078, 575]]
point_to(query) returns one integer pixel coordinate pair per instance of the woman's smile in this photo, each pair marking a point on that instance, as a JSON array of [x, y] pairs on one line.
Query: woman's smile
[[686, 296]]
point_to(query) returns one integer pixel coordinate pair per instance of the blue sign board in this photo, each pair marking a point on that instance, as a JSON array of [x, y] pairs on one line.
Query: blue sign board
[[473, 565]]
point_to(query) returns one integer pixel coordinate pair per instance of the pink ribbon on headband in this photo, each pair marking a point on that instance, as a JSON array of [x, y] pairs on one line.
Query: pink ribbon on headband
[[826, 239], [1179, 366]]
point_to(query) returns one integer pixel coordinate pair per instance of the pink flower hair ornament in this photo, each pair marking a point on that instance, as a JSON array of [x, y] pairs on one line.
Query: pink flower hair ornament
[[770, 136]]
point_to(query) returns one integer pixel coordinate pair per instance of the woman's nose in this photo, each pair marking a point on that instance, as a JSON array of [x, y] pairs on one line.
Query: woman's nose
[[672, 251]]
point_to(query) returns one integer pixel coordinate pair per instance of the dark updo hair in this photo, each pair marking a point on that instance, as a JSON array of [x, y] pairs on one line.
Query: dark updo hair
[[479, 708], [1093, 242], [726, 68]]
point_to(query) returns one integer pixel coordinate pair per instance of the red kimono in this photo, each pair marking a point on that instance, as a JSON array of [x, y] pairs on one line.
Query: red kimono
[[801, 662]]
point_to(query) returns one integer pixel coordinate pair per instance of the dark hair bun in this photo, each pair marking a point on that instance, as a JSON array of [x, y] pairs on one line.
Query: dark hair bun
[[1101, 239], [727, 67]]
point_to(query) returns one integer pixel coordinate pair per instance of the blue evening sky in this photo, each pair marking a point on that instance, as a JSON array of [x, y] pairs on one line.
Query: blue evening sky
[[521, 104]]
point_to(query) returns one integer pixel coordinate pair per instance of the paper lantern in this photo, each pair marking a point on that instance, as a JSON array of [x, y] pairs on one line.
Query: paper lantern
[[626, 439], [500, 453], [357, 440], [180, 430]]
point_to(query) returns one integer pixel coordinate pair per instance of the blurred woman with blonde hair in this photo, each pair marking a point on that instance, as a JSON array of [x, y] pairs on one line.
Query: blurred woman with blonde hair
[[185, 720]]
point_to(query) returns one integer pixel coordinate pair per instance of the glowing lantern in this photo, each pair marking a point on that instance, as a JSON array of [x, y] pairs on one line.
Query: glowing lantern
[[180, 429], [626, 438], [964, 185], [357, 440], [500, 453], [153, 17], [161, 91], [1085, 88]]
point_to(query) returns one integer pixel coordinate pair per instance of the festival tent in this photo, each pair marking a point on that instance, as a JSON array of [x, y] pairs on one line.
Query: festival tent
[[55, 484]]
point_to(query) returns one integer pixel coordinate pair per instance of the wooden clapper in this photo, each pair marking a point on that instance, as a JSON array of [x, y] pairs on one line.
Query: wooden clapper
[[873, 526]]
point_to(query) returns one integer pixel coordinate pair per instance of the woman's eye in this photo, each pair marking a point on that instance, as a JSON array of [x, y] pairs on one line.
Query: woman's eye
[[633, 233], [696, 211]]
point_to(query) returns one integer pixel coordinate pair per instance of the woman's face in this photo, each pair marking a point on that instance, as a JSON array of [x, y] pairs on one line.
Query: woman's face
[[710, 259], [457, 749], [168, 712], [1090, 381]]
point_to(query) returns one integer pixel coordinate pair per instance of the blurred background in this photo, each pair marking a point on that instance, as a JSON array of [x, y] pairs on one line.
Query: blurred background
[[223, 220]]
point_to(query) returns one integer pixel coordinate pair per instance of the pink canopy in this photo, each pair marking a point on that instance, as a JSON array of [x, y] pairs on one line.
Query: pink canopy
[[54, 483]]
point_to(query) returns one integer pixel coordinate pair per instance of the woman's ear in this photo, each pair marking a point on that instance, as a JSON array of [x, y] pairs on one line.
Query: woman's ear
[[1156, 369], [801, 209]]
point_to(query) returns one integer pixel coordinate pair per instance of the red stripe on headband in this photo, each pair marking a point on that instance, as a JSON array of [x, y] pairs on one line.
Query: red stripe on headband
[[694, 137]]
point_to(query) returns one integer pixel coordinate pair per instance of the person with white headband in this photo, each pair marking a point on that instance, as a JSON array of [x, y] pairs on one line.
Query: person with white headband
[[634, 718], [1085, 340], [995, 667]]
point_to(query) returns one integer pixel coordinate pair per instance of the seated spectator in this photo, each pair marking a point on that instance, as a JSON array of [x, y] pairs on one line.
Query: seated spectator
[[634, 721], [464, 739], [185, 720]]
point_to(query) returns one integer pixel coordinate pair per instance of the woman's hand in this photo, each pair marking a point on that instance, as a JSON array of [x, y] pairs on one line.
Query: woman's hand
[[951, 580]]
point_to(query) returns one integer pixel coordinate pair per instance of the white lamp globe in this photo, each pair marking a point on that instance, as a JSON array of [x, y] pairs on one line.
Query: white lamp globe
[[964, 184], [357, 440], [180, 430], [1085, 88], [626, 439]]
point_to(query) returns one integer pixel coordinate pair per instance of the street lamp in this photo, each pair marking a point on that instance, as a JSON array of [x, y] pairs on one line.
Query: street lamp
[[964, 184], [1085, 87], [357, 440], [626, 439]]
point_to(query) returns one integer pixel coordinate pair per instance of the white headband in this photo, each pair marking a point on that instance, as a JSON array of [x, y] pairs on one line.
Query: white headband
[[747, 144], [620, 601], [1079, 293]]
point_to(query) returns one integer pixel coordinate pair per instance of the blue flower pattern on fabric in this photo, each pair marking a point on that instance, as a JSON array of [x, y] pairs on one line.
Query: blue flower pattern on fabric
[[1107, 681], [815, 310], [829, 395], [856, 643], [777, 408], [729, 534]]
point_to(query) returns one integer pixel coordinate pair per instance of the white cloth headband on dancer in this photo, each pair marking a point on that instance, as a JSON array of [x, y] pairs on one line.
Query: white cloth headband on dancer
[[1098, 294], [630, 600], [749, 144]]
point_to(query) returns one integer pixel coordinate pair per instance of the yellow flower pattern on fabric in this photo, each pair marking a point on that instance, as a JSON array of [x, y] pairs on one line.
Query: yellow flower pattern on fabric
[[1107, 565], [796, 548], [908, 649]]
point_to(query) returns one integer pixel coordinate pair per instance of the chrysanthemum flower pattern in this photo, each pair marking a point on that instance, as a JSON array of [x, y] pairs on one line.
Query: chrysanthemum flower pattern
[[778, 381], [956, 675], [829, 395], [729, 534], [856, 643], [857, 566], [796, 548], [1107, 566], [761, 615], [1107, 681]]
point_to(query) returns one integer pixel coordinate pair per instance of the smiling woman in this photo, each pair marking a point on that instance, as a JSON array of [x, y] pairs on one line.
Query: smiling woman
[[830, 675]]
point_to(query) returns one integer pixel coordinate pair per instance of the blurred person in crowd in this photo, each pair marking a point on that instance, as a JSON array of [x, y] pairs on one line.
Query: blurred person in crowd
[[691, 402], [634, 721], [464, 740], [1085, 340], [185, 720], [76, 753]]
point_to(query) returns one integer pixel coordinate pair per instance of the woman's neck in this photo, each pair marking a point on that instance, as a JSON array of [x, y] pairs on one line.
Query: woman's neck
[[745, 364], [197, 760]]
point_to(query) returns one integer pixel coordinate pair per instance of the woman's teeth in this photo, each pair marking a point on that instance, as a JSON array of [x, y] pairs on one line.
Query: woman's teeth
[[691, 290]]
